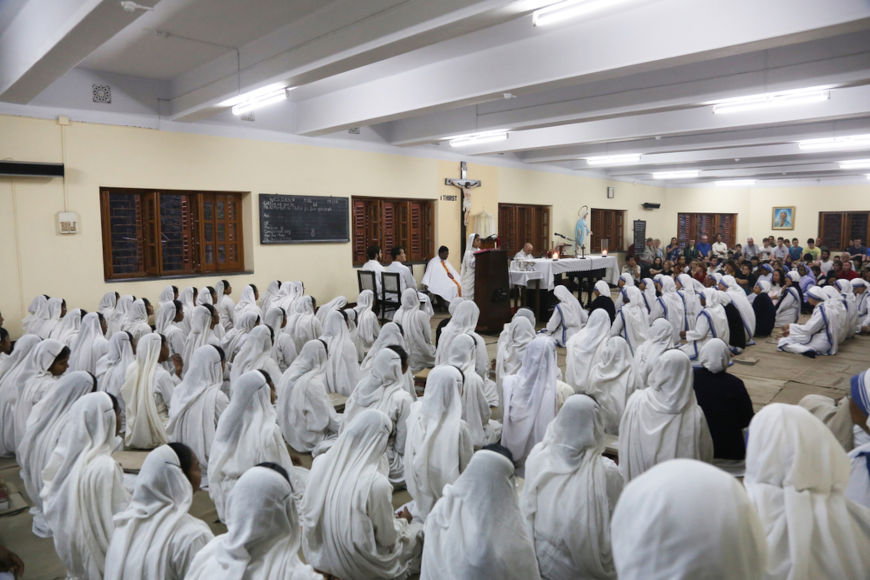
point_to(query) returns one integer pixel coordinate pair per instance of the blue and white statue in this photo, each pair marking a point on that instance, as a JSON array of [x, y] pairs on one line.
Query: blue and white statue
[[581, 231]]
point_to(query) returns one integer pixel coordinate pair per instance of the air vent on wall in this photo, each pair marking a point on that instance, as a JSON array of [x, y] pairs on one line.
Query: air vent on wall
[[26, 169], [249, 116], [102, 94], [353, 130]]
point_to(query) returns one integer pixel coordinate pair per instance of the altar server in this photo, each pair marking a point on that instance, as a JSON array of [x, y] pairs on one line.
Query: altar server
[[632, 322], [570, 493], [147, 392], [582, 348], [568, 317], [817, 335]]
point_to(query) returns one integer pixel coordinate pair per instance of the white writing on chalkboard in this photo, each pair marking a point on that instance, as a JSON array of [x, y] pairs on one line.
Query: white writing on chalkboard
[[291, 219]]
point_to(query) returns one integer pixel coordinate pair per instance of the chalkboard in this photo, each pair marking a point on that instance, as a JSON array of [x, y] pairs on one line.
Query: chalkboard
[[639, 232], [300, 219]]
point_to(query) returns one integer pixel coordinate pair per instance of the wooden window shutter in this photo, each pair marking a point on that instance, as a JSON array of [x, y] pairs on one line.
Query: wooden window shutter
[[831, 229], [359, 227], [416, 249]]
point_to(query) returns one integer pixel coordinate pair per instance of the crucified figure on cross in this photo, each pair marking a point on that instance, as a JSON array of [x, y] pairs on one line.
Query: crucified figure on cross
[[465, 185]]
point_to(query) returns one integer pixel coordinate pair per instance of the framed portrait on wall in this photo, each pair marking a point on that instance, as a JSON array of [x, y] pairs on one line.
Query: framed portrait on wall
[[783, 217]]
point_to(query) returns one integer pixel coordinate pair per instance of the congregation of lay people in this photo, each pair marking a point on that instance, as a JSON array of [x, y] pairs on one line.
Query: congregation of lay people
[[503, 458]]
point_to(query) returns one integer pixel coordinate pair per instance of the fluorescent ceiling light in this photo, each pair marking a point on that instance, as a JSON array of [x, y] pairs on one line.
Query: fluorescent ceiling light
[[250, 95], [618, 159], [835, 143], [855, 164], [771, 100], [734, 183], [260, 102], [679, 174], [570, 9], [478, 138]]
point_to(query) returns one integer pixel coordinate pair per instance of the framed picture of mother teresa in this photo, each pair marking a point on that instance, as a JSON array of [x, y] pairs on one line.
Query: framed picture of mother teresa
[[783, 218]]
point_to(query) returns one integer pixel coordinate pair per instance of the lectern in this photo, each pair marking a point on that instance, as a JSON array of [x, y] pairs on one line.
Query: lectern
[[492, 290]]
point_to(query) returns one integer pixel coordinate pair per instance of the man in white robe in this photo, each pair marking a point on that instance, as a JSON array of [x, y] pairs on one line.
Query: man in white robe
[[406, 278], [374, 265], [441, 278]]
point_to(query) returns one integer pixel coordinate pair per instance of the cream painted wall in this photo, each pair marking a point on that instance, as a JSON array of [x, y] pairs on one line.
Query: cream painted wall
[[37, 260]]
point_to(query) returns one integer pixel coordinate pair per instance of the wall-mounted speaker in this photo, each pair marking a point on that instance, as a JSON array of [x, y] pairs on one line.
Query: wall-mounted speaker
[[611, 192], [650, 205], [27, 169]]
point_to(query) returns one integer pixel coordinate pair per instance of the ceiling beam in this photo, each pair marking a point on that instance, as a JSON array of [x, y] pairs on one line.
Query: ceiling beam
[[49, 37]]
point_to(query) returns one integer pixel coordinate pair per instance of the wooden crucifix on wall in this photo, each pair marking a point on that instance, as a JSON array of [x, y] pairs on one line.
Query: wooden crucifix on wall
[[465, 185]]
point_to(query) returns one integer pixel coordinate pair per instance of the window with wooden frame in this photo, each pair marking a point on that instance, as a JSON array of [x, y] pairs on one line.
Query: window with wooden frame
[[389, 222], [691, 226], [149, 233], [519, 223], [610, 224], [837, 229]]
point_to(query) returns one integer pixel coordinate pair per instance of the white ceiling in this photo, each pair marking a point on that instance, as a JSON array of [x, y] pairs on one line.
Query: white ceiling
[[631, 79]]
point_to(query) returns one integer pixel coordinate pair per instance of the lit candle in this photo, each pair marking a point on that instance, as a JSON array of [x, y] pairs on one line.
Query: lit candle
[[604, 253]]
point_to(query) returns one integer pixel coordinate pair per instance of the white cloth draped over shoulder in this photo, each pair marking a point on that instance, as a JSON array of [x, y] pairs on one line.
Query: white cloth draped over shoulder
[[464, 321], [155, 537], [336, 304], [442, 279], [68, 329], [39, 383], [256, 354], [570, 493], [476, 405], [476, 530], [51, 318], [671, 304], [303, 324], [262, 539], [509, 356], [568, 316], [200, 331], [305, 414], [283, 348], [21, 366], [741, 302], [342, 366], [711, 322], [632, 321], [646, 356], [197, 403], [818, 334], [367, 326], [417, 328], [112, 367], [36, 312], [90, 345], [663, 421], [246, 435], [83, 487], [467, 268], [691, 303], [247, 302], [796, 473], [582, 348], [683, 520], [349, 529], [41, 436], [137, 320], [235, 338], [145, 426], [438, 446], [611, 381]]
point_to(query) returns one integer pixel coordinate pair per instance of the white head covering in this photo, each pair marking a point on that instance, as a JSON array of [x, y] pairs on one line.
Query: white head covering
[[573, 315], [509, 358], [611, 380], [367, 326], [83, 487], [796, 473], [603, 288], [204, 296], [664, 420], [635, 321], [683, 520], [476, 529], [254, 354], [136, 322], [37, 313], [416, 327], [324, 311], [192, 409], [112, 367], [89, 346], [582, 348], [565, 497], [233, 340], [659, 340], [304, 411], [342, 368], [340, 507], [648, 296], [246, 435], [626, 279], [247, 301], [475, 408], [51, 318], [262, 539], [165, 316], [410, 304], [464, 320], [142, 545], [390, 334], [741, 302], [303, 325], [200, 331], [270, 295], [20, 368], [438, 446], [530, 398], [166, 295], [35, 388], [385, 377], [715, 356], [144, 425], [68, 328]]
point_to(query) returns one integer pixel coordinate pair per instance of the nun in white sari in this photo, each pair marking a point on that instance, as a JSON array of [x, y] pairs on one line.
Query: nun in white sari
[[612, 381], [568, 317], [137, 320], [710, 323], [112, 369], [509, 357], [22, 366], [531, 399], [570, 493], [256, 354], [225, 305], [147, 392], [164, 323], [647, 355], [262, 539], [155, 537], [836, 308], [342, 366], [439, 445], [741, 302], [36, 313], [201, 334], [796, 473], [246, 435], [283, 347], [367, 327], [664, 420], [818, 334], [52, 317], [476, 529], [390, 335], [247, 302], [468, 266], [464, 321], [349, 529], [417, 328], [477, 401], [198, 402], [384, 390], [68, 330], [336, 304], [50, 364], [118, 317], [582, 348], [42, 434], [691, 302], [235, 338], [788, 310], [303, 324], [684, 520], [83, 487], [89, 346], [305, 413], [671, 305], [631, 322]]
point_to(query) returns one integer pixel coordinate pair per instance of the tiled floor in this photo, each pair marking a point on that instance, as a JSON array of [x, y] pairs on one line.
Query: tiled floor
[[770, 376]]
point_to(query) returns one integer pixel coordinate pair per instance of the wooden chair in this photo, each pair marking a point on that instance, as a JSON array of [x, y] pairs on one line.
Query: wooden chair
[[391, 293], [365, 280]]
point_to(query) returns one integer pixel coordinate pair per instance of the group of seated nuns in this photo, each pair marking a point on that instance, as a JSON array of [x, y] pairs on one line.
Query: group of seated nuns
[[220, 393]]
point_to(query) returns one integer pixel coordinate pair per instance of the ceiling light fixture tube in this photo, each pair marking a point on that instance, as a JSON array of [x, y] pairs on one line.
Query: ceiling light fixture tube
[[478, 138], [570, 9], [260, 101], [835, 143], [616, 159], [855, 164], [254, 94], [734, 183], [771, 100], [678, 174]]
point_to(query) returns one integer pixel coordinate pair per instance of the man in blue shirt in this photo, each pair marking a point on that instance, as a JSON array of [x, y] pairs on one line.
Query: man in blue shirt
[[704, 247], [795, 251]]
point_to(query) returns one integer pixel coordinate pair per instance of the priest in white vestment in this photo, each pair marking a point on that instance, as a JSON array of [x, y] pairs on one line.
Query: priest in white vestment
[[441, 278]]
